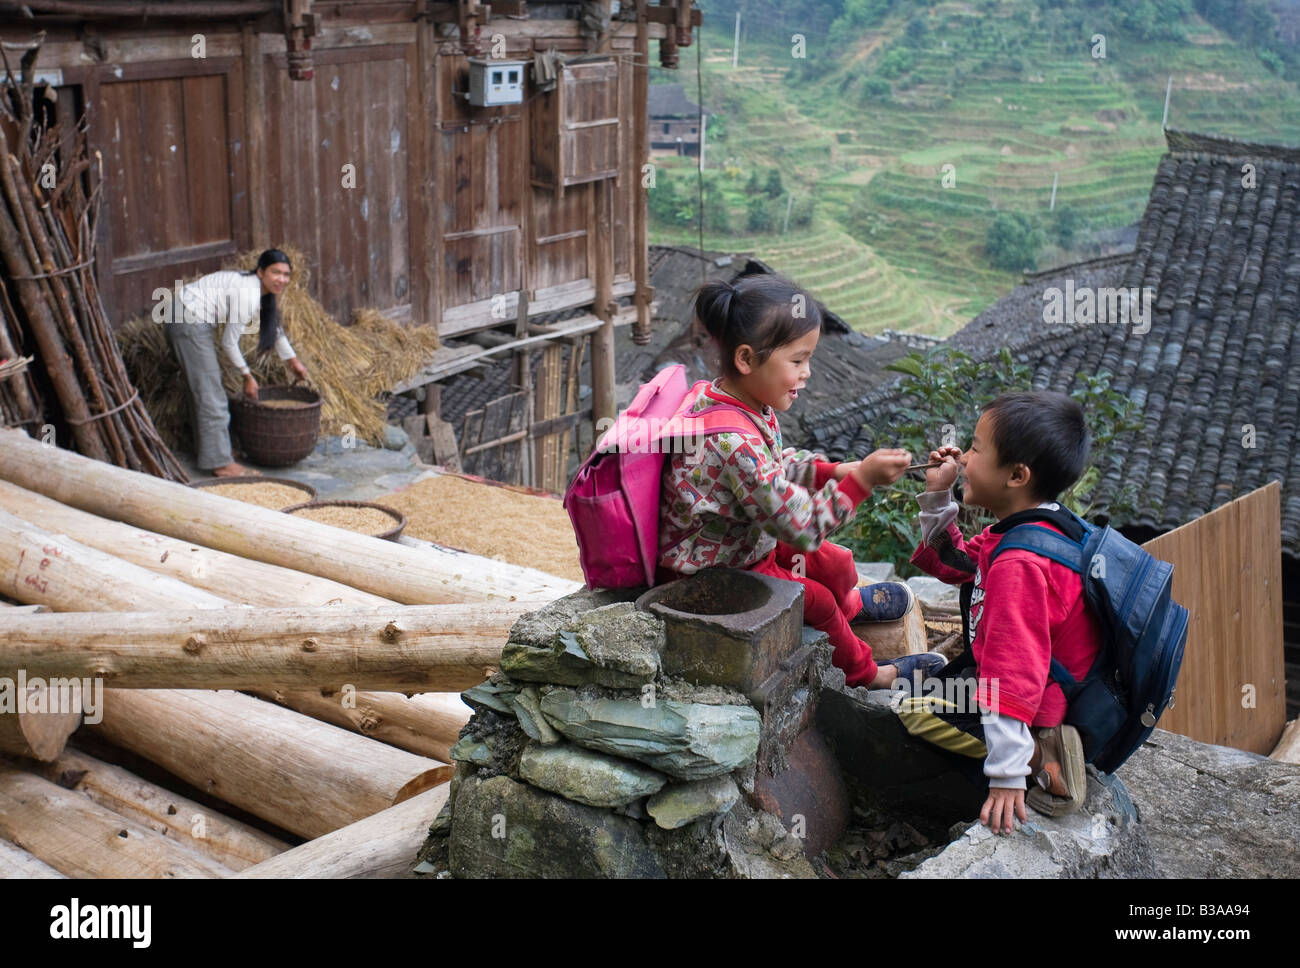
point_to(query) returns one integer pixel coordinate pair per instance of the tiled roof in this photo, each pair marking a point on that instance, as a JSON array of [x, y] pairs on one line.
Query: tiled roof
[[1219, 250], [670, 101]]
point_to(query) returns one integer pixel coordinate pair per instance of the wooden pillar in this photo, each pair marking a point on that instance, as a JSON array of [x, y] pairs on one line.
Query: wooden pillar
[[259, 221], [640, 153], [603, 405]]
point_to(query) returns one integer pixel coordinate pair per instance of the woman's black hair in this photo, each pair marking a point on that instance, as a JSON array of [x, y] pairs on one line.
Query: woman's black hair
[[269, 325], [762, 310]]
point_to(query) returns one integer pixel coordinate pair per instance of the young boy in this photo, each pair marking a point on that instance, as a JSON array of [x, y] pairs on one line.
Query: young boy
[[1024, 609]]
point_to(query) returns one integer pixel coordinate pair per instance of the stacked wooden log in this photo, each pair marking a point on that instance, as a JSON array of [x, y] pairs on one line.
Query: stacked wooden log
[[168, 598], [49, 304]]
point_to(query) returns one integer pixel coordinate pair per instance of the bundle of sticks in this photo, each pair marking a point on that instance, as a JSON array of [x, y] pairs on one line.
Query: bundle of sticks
[[49, 301]]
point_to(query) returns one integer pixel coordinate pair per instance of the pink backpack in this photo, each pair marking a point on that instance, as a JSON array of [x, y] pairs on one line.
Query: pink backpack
[[613, 500]]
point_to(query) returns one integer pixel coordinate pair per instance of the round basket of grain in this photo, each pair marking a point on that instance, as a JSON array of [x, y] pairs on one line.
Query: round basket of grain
[[359, 516], [280, 427], [276, 493]]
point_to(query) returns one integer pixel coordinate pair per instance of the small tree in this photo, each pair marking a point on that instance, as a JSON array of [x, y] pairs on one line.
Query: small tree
[[1013, 241], [773, 187]]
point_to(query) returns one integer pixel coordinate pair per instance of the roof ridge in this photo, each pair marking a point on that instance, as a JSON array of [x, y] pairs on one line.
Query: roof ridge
[[1186, 142], [1099, 262]]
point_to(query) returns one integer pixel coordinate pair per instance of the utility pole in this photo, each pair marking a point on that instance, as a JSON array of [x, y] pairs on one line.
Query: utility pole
[[1164, 121], [735, 44], [1055, 177]]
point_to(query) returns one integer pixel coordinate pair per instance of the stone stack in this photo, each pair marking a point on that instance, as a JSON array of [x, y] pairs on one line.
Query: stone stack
[[601, 749]]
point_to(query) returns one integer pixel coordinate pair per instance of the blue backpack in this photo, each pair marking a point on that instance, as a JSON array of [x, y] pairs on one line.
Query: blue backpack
[[1144, 630]]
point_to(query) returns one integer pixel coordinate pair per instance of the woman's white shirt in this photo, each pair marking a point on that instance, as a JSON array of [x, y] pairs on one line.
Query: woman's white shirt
[[230, 300]]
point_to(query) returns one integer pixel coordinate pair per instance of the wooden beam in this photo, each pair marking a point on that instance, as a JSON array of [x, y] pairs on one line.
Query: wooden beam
[[428, 724], [393, 648], [235, 579], [23, 730], [232, 844], [82, 839], [17, 864], [428, 576], [302, 775], [383, 845]]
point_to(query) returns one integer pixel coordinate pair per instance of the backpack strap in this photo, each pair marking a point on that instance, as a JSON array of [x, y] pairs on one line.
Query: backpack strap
[[1065, 549]]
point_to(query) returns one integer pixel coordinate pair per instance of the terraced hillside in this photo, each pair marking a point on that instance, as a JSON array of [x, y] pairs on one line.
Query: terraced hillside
[[1010, 100]]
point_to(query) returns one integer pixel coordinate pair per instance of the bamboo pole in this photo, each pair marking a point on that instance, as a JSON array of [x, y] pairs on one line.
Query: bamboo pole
[[304, 776], [424, 576], [82, 839], [17, 864], [428, 724], [383, 845], [394, 648], [203, 830]]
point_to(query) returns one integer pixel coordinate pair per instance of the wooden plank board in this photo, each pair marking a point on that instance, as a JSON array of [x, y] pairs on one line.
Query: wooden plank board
[[1228, 574]]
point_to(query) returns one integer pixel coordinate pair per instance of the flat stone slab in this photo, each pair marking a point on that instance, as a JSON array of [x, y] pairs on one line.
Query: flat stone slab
[[591, 778], [689, 741], [613, 645], [931, 592], [678, 804]]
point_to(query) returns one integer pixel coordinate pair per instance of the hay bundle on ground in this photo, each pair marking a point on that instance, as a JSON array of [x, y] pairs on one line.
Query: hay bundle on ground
[[491, 521], [349, 365]]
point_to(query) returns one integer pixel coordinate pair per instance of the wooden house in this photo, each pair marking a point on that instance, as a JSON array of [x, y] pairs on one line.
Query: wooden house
[[676, 124], [347, 129]]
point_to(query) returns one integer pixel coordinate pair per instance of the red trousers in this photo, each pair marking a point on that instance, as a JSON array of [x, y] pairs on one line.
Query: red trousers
[[830, 600]]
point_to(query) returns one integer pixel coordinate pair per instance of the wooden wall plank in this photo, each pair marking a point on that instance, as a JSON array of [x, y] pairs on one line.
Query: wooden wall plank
[[1228, 574]]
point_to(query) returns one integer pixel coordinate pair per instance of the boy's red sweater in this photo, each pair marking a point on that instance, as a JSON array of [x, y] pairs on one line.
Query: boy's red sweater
[[1025, 610]]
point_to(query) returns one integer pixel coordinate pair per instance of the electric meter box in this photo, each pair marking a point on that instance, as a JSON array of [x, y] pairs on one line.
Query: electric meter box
[[493, 82]]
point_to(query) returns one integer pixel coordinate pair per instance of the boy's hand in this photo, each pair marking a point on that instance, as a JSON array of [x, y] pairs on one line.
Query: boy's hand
[[1001, 807], [845, 468], [882, 467], [942, 478]]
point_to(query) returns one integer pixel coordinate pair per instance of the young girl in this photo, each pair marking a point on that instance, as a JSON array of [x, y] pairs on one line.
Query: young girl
[[745, 501]]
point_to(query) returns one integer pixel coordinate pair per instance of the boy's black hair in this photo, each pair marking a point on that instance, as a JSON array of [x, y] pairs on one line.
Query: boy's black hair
[[761, 310], [1046, 432]]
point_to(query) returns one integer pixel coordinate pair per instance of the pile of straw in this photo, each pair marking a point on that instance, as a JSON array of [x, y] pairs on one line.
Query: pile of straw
[[350, 365]]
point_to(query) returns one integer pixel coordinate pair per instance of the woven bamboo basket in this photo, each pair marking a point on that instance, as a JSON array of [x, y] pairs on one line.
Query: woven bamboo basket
[[277, 436], [392, 534]]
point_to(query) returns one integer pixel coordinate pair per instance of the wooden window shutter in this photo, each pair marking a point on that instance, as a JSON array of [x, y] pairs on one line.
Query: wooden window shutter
[[576, 127]]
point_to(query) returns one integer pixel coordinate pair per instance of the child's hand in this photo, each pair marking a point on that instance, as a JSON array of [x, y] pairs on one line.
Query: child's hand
[[942, 478], [1000, 809], [845, 468], [882, 467]]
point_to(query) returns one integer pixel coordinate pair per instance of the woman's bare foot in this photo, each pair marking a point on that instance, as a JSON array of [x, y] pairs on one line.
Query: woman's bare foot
[[232, 470]]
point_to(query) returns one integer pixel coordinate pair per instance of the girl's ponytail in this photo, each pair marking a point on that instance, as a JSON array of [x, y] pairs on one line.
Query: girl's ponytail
[[713, 302]]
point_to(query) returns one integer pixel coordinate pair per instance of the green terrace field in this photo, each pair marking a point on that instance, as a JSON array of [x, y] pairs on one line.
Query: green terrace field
[[1007, 102]]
